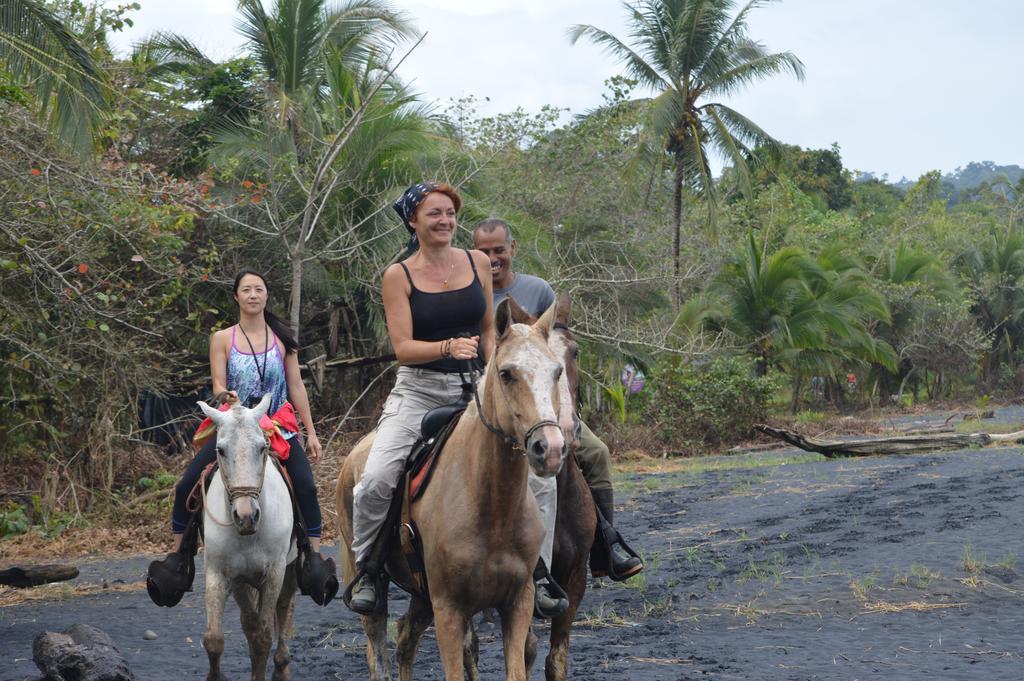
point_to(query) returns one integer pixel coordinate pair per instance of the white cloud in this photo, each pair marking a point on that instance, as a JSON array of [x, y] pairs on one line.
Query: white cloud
[[904, 87]]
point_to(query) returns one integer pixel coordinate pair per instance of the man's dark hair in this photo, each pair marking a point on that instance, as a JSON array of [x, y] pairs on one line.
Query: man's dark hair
[[491, 224]]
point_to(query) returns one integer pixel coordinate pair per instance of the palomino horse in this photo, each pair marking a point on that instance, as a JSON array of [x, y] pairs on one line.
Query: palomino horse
[[478, 523], [247, 528], [576, 520]]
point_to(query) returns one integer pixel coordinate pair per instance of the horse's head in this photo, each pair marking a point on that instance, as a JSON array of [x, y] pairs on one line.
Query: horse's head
[[242, 457], [563, 345], [523, 377]]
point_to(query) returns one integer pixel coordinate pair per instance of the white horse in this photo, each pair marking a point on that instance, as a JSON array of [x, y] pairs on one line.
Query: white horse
[[247, 527]]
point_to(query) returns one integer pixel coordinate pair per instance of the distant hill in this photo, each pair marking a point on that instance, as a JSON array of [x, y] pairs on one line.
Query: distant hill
[[966, 178]]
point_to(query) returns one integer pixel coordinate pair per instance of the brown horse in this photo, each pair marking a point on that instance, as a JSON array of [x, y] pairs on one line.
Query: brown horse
[[576, 520], [478, 523]]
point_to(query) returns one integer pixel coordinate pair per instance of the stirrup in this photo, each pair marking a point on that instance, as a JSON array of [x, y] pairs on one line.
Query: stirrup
[[544, 583]]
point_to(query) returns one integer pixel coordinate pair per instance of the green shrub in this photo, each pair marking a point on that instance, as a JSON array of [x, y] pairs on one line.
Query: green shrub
[[708, 406], [13, 520]]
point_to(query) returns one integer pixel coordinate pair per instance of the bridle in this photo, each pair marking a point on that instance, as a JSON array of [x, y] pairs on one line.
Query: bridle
[[237, 491], [469, 385]]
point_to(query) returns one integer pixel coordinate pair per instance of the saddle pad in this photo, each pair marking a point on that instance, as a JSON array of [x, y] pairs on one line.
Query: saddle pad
[[424, 456]]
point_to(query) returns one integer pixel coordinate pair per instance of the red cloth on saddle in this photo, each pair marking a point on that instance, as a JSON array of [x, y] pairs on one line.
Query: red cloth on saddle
[[283, 419]]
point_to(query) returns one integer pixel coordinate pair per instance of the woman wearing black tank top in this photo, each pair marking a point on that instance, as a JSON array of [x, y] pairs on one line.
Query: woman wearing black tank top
[[432, 301]]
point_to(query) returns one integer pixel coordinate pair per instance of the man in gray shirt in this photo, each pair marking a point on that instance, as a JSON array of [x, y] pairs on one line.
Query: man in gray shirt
[[610, 556]]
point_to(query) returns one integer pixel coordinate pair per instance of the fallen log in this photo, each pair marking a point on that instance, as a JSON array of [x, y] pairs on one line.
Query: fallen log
[[901, 444], [34, 575]]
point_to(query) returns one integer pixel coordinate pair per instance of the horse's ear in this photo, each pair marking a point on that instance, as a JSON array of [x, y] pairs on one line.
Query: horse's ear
[[214, 415], [547, 321], [563, 310], [509, 312], [502, 318], [261, 409]]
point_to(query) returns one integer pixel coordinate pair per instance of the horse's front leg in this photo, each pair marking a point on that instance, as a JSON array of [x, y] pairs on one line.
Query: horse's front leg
[[410, 629], [515, 626], [284, 618], [213, 638], [378, 658], [471, 653], [450, 627], [257, 608]]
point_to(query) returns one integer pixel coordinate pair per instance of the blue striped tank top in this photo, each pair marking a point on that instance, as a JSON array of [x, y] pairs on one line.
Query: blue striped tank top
[[244, 374]]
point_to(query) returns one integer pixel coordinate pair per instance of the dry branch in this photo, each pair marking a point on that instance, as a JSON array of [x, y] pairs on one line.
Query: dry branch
[[902, 444]]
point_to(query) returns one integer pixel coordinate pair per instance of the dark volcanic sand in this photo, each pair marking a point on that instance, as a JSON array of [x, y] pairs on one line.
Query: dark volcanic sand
[[819, 570]]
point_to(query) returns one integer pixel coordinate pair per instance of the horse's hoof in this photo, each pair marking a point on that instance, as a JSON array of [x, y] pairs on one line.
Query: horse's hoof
[[216, 677], [282, 675]]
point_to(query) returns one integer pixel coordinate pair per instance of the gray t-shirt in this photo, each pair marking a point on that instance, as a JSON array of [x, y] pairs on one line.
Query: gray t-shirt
[[532, 293]]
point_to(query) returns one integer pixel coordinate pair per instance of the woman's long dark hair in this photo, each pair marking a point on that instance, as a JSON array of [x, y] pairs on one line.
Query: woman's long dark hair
[[280, 328]]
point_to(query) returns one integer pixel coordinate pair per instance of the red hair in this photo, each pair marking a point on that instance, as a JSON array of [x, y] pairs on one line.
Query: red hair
[[447, 190]]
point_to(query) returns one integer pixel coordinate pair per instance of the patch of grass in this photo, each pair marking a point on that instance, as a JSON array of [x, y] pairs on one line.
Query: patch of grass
[[971, 563], [1008, 562], [603, 617], [684, 469], [638, 582], [771, 570], [862, 586], [713, 584], [987, 426], [748, 483], [918, 576], [809, 416]]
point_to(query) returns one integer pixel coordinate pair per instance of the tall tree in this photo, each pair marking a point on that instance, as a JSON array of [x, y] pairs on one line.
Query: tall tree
[[46, 60], [691, 52], [328, 84]]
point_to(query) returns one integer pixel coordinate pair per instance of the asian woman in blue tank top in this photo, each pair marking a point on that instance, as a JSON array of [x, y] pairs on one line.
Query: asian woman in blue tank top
[[259, 355]]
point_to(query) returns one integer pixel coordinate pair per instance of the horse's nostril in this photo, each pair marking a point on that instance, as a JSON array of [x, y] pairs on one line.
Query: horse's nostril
[[539, 447], [256, 516]]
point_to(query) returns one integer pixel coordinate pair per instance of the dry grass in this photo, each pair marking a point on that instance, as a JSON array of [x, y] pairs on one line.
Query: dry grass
[[59, 592], [911, 606]]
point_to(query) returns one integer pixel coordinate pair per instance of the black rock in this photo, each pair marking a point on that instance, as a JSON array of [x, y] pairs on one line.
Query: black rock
[[82, 653]]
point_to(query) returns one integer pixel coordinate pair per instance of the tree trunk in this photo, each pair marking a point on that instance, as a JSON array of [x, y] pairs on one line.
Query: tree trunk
[[677, 222], [900, 444], [295, 303]]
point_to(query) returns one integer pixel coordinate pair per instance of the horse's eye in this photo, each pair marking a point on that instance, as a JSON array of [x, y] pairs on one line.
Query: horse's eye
[[576, 353], [506, 376], [220, 452]]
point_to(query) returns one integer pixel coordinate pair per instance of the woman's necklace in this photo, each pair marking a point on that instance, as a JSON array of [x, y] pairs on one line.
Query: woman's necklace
[[451, 270]]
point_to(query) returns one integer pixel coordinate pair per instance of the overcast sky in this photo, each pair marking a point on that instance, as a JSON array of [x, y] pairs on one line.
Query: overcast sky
[[904, 86]]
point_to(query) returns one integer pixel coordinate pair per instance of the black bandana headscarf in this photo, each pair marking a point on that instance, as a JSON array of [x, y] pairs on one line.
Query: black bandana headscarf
[[407, 204]]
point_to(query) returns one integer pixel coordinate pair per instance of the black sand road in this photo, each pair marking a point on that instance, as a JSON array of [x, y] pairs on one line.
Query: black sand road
[[879, 568]]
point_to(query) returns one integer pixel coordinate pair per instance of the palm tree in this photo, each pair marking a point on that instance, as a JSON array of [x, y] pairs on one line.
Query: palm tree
[[689, 52], [994, 273], [328, 85], [801, 313], [39, 52]]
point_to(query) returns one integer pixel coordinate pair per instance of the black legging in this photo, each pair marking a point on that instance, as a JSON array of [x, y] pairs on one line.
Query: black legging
[[297, 466]]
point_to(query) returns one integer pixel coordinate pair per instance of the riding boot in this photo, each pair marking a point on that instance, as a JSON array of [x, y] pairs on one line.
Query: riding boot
[[610, 556], [361, 594], [549, 599]]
